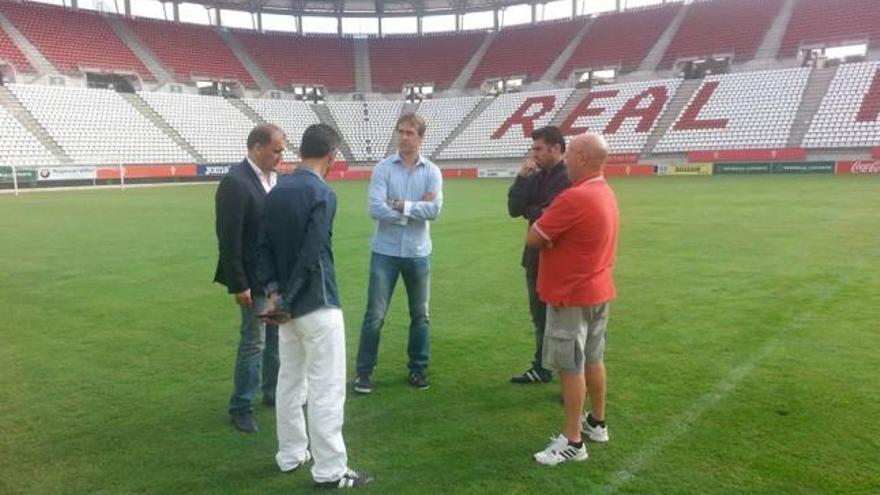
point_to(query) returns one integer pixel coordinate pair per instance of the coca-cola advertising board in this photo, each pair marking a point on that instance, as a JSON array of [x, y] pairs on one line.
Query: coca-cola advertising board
[[863, 167]]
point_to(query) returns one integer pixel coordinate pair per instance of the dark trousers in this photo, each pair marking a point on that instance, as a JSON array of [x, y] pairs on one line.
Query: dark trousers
[[539, 316]]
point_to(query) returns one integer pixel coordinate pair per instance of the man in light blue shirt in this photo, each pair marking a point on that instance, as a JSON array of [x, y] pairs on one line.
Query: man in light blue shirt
[[406, 193]]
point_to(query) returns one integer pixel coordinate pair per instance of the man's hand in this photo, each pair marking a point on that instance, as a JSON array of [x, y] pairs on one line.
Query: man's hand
[[243, 298], [396, 204], [429, 196], [273, 300], [271, 314], [528, 168]]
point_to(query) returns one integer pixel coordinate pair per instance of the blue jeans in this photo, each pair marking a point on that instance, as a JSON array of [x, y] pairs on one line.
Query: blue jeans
[[416, 274], [257, 348]]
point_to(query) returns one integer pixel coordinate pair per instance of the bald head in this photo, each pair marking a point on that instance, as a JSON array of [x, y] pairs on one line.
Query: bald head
[[586, 155]]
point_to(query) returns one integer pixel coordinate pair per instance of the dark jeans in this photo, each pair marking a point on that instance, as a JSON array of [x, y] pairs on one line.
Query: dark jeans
[[539, 317], [384, 271], [257, 351]]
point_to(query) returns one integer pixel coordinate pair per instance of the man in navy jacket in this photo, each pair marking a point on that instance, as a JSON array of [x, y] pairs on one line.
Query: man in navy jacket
[[295, 264]]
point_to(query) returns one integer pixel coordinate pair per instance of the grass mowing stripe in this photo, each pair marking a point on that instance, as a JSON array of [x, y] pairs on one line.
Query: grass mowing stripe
[[685, 421]]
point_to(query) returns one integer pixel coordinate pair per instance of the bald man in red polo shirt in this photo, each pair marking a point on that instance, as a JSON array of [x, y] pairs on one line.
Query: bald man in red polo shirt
[[577, 236]]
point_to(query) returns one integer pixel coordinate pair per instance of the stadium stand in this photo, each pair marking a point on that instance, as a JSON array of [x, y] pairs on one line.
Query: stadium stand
[[831, 21], [18, 146], [95, 126], [722, 27], [367, 126], [749, 110], [74, 40], [604, 46], [526, 50], [504, 127], [434, 59], [215, 128], [292, 116], [306, 60], [625, 113], [443, 116], [743, 115], [10, 53], [850, 112], [190, 51]]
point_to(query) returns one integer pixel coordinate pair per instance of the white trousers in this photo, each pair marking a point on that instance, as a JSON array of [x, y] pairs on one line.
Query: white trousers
[[312, 373]]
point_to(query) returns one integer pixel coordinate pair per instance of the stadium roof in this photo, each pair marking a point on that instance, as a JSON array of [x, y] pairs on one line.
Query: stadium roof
[[364, 8]]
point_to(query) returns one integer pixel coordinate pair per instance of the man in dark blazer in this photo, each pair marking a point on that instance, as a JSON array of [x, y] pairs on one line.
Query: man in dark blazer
[[239, 210]]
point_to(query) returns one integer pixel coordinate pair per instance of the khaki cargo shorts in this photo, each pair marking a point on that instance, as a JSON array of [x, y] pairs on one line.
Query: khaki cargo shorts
[[575, 336]]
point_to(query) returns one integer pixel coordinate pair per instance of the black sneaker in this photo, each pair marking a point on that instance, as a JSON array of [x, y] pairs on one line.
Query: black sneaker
[[418, 380], [363, 384], [351, 479], [532, 375], [244, 422]]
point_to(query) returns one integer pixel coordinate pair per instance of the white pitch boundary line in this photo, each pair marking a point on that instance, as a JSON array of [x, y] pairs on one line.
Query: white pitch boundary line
[[104, 187], [687, 419]]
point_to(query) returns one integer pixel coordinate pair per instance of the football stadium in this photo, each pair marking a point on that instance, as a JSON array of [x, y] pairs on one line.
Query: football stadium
[[743, 149]]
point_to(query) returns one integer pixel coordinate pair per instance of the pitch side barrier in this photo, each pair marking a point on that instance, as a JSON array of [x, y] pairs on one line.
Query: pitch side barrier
[[23, 178], [30, 177]]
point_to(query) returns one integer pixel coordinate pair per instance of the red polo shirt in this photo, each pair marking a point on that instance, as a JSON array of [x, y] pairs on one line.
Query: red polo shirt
[[582, 222]]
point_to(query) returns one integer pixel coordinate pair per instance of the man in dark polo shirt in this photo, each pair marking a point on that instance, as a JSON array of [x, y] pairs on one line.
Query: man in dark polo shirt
[[539, 180], [577, 237]]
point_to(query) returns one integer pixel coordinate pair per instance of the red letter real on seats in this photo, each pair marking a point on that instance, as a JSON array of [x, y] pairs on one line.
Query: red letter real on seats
[[689, 118], [647, 115], [870, 108], [583, 110], [525, 119]]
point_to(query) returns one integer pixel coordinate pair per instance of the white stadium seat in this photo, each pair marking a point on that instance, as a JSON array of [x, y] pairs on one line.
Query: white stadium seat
[[95, 126], [366, 126], [477, 140], [757, 110], [443, 115], [836, 124], [292, 116], [215, 128], [18, 146], [631, 134]]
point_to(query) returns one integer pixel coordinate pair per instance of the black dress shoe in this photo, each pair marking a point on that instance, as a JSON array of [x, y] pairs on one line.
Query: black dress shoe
[[244, 422], [418, 380]]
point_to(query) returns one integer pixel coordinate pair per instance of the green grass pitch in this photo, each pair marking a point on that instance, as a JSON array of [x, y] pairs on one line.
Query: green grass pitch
[[742, 350]]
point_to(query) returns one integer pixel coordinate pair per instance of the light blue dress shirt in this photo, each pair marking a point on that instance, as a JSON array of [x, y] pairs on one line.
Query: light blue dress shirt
[[407, 234]]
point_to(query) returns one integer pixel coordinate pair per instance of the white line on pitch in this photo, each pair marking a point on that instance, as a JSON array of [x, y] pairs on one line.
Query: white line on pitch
[[687, 419]]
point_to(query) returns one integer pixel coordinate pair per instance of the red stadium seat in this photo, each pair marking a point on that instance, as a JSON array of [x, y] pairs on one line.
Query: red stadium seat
[[10, 53], [190, 50], [432, 58], [831, 21], [525, 50], [73, 39], [307, 60], [722, 26], [622, 40]]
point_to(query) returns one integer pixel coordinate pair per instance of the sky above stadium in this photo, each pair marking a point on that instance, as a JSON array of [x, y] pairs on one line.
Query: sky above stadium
[[198, 14]]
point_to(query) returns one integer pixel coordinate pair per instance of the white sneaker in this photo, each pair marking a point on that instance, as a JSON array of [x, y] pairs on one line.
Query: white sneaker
[[291, 468], [596, 433], [559, 451]]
